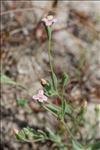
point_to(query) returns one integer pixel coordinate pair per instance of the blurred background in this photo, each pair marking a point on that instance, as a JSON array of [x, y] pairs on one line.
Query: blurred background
[[24, 58]]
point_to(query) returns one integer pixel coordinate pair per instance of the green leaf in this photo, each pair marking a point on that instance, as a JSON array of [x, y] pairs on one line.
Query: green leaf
[[89, 148], [63, 110], [54, 136], [65, 78], [96, 145], [52, 108], [55, 82], [68, 109], [21, 102], [27, 134], [47, 89], [77, 145], [21, 135], [42, 133], [63, 107], [56, 110], [7, 80]]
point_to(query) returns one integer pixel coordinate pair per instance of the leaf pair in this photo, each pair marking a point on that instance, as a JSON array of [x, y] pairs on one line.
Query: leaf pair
[[56, 110]]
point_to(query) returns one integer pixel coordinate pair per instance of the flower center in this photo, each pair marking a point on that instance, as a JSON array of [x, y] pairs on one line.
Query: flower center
[[49, 18], [40, 96]]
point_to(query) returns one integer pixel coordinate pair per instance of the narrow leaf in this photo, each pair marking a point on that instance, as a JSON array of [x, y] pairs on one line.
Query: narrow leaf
[[65, 78], [47, 89], [7, 80], [68, 109], [21, 135], [55, 82], [77, 145], [53, 137], [21, 102], [52, 108], [63, 109]]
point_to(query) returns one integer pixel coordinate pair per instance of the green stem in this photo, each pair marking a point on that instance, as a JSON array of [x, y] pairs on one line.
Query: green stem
[[49, 48], [49, 54], [68, 130]]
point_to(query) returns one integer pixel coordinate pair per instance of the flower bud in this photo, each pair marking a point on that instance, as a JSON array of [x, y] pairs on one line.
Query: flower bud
[[15, 131], [97, 108], [85, 104], [43, 82]]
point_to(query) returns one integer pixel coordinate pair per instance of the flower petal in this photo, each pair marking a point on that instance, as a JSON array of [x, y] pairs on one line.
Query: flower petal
[[42, 99], [54, 20], [45, 98], [44, 20], [35, 97], [49, 23], [41, 92], [40, 96], [49, 20]]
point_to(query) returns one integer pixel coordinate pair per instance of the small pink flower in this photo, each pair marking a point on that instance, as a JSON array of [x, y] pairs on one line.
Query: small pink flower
[[49, 20], [40, 96]]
